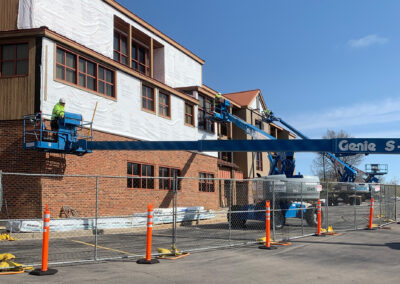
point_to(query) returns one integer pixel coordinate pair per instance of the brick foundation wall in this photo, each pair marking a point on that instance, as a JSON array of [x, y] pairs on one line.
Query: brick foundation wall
[[27, 196], [21, 195]]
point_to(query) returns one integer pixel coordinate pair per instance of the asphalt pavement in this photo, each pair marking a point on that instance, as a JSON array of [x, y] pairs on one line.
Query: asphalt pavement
[[352, 257]]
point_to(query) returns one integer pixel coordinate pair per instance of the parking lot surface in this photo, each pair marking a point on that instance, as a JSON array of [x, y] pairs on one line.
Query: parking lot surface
[[352, 257]]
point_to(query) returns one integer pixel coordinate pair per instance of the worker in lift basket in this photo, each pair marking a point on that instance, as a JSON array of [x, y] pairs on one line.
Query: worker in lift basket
[[58, 112], [218, 100]]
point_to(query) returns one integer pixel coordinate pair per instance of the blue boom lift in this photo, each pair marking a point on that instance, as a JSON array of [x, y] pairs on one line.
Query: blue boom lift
[[70, 139], [348, 175], [64, 141], [291, 201]]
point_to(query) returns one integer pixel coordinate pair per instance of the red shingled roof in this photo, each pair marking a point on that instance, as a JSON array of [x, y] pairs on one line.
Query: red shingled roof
[[242, 98]]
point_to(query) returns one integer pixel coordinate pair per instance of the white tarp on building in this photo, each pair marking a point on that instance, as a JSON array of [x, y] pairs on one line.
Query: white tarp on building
[[91, 23], [87, 22]]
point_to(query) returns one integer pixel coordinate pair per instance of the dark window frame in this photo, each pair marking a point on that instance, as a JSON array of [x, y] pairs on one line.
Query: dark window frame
[[106, 83], [164, 106], [191, 115], [203, 113], [205, 184], [146, 99], [259, 161], [119, 52], [135, 58], [225, 156], [166, 182], [258, 124], [86, 74], [146, 180], [14, 60]]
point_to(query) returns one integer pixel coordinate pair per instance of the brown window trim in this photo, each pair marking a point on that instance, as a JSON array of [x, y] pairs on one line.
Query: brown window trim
[[207, 183], [113, 97], [165, 178], [119, 51], [205, 112], [192, 115], [140, 177], [162, 105], [146, 65], [86, 74], [147, 99], [15, 60], [100, 57]]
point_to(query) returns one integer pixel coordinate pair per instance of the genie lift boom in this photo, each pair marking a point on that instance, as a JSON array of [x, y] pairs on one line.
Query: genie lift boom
[[289, 195], [348, 176], [71, 139]]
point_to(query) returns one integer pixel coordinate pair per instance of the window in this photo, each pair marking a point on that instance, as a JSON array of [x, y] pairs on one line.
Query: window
[[206, 184], [259, 161], [140, 58], [224, 129], [189, 114], [225, 156], [148, 98], [120, 47], [66, 66], [106, 81], [164, 104], [86, 74], [14, 60], [205, 113], [258, 124], [141, 174], [165, 182]]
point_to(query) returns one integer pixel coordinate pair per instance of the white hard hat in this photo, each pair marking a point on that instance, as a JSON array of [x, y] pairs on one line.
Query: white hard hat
[[62, 101]]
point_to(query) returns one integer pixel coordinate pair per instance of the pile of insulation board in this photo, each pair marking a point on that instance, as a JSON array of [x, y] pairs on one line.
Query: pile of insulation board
[[161, 216]]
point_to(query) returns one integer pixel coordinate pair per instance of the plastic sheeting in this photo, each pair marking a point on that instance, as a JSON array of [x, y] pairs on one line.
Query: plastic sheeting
[[91, 23], [87, 22], [123, 116]]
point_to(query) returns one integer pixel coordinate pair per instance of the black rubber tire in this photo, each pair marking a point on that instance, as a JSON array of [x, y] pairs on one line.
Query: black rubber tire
[[333, 202], [345, 198], [280, 219], [236, 221], [311, 217]]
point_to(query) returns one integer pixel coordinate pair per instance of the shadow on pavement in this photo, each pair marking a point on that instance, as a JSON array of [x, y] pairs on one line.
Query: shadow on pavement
[[393, 245]]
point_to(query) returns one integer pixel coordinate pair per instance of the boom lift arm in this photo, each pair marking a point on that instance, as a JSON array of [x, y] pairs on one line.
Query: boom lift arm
[[350, 172], [73, 142], [222, 115]]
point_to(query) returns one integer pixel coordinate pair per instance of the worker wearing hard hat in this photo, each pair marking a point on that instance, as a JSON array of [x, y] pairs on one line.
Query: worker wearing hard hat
[[218, 100], [58, 112]]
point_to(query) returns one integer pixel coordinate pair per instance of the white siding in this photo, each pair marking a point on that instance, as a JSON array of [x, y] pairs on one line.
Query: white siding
[[88, 22], [256, 104], [179, 69], [91, 23], [121, 117]]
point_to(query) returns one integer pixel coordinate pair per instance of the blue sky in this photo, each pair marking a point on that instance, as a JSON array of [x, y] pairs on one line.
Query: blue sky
[[319, 64]]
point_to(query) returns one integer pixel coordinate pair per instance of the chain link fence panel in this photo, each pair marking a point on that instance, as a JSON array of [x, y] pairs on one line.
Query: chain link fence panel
[[104, 217]]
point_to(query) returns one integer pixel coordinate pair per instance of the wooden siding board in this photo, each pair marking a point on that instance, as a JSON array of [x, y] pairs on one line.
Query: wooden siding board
[[8, 14], [17, 94]]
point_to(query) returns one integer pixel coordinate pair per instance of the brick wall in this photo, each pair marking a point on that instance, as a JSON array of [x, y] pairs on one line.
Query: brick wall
[[22, 195], [27, 196]]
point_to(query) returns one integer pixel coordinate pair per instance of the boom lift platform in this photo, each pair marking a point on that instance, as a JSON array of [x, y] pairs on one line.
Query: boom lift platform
[[65, 140]]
